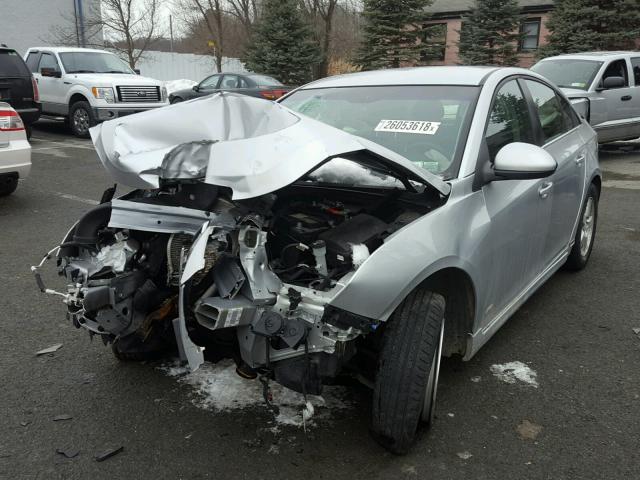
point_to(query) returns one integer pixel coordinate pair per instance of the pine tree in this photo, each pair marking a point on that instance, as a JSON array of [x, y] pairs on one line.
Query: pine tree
[[490, 33], [393, 33], [282, 44], [583, 25]]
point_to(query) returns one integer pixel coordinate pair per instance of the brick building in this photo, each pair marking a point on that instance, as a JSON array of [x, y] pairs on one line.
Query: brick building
[[447, 18]]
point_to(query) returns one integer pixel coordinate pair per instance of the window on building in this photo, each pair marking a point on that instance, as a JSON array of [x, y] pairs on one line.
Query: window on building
[[530, 30], [435, 38]]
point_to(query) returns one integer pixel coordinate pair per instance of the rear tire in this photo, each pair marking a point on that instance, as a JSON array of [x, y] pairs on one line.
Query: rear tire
[[411, 345], [81, 119], [8, 184], [586, 232]]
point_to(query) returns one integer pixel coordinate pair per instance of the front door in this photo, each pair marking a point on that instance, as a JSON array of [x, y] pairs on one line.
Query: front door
[[560, 137], [618, 104], [51, 89], [518, 209]]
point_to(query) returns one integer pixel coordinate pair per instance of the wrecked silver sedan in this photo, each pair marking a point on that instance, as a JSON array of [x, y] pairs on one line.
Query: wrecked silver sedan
[[334, 232]]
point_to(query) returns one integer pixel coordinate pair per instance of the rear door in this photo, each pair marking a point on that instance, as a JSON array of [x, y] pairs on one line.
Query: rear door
[[15, 80], [557, 125]]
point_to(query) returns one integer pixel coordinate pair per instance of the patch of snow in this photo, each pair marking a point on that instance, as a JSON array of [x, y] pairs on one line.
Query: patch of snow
[[221, 389], [181, 84], [512, 372], [464, 455]]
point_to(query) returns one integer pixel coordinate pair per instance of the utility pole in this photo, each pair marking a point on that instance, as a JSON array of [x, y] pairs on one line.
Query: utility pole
[[171, 31]]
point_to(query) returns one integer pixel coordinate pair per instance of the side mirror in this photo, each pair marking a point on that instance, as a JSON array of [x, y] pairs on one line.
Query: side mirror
[[50, 72], [137, 70], [523, 161], [196, 88], [612, 82]]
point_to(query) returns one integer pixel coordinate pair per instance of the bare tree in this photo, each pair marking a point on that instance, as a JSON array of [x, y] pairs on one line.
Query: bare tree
[[211, 13], [246, 11], [321, 13], [130, 28]]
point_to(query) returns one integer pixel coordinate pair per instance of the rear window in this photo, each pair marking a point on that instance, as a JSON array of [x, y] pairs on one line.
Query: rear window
[[12, 65]]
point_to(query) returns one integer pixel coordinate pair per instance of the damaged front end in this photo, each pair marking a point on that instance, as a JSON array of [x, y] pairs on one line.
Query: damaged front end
[[237, 245]]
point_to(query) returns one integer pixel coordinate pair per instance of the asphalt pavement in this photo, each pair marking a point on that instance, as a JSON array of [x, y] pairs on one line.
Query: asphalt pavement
[[579, 421]]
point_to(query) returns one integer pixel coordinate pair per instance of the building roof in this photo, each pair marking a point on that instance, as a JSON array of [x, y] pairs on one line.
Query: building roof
[[441, 7], [451, 75]]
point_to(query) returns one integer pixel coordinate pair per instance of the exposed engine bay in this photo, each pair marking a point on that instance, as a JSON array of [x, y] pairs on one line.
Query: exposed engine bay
[[267, 269]]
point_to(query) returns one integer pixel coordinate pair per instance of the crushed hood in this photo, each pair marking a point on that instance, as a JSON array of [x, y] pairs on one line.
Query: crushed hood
[[250, 145]]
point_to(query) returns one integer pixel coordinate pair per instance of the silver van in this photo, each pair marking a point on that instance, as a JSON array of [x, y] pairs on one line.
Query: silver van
[[604, 87]]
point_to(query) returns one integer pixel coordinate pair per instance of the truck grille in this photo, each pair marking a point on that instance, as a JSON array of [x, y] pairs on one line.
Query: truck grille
[[138, 94]]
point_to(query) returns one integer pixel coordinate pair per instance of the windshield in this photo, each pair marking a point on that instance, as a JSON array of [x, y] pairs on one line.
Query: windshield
[[264, 81], [425, 124], [93, 62], [569, 73]]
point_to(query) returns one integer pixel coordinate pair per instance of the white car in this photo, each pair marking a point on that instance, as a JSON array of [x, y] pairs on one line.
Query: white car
[[15, 151], [88, 86]]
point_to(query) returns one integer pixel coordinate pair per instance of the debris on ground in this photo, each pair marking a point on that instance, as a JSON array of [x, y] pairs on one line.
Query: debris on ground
[[68, 452], [51, 349], [451, 414], [101, 457], [62, 417], [512, 372], [476, 379], [25, 423], [528, 430], [409, 470], [464, 455], [636, 331]]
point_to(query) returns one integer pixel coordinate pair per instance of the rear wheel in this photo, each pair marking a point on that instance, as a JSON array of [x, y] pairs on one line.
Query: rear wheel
[[8, 184], [586, 233], [81, 119], [404, 393]]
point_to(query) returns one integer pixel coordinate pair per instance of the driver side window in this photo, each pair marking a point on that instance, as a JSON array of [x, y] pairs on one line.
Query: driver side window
[[48, 61], [617, 68], [509, 120]]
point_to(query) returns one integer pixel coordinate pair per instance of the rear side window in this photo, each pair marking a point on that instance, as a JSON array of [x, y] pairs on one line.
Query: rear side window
[[32, 61], [12, 65], [553, 115], [509, 120]]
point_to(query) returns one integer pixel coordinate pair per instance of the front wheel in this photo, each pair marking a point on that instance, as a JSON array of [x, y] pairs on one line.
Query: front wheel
[[81, 119], [8, 184], [586, 232], [404, 393]]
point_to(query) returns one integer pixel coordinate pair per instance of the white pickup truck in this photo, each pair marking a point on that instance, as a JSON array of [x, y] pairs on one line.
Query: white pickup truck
[[88, 86]]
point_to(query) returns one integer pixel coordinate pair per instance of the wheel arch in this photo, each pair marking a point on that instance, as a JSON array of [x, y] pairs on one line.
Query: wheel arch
[[458, 290], [77, 97], [597, 181]]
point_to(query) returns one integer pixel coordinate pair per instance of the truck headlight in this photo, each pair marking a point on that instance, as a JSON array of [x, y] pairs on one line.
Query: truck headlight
[[104, 93], [164, 93]]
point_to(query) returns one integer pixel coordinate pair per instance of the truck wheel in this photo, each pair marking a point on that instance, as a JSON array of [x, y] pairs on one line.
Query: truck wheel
[[8, 184], [407, 377], [586, 233], [81, 119]]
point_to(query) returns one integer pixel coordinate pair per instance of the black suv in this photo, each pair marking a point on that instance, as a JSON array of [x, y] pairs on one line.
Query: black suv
[[17, 87]]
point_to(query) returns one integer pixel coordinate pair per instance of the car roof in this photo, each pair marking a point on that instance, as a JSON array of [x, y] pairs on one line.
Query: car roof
[[450, 75], [593, 55], [67, 49]]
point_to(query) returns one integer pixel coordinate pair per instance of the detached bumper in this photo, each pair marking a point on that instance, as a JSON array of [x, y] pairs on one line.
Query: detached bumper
[[111, 112]]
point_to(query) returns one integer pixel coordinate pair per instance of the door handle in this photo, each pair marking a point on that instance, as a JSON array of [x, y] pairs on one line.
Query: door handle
[[544, 189], [580, 159], [626, 98]]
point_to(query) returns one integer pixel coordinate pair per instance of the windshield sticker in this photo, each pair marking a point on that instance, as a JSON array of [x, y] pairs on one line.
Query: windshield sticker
[[579, 84], [408, 126]]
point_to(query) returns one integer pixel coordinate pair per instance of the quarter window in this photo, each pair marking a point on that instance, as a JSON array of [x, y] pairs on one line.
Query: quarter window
[[509, 120], [551, 114]]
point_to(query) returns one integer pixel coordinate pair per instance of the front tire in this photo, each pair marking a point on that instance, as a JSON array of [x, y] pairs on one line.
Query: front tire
[[81, 119], [586, 232], [406, 382], [176, 100]]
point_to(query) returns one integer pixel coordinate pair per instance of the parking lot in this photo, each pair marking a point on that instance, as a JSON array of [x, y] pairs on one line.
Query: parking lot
[[576, 419]]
